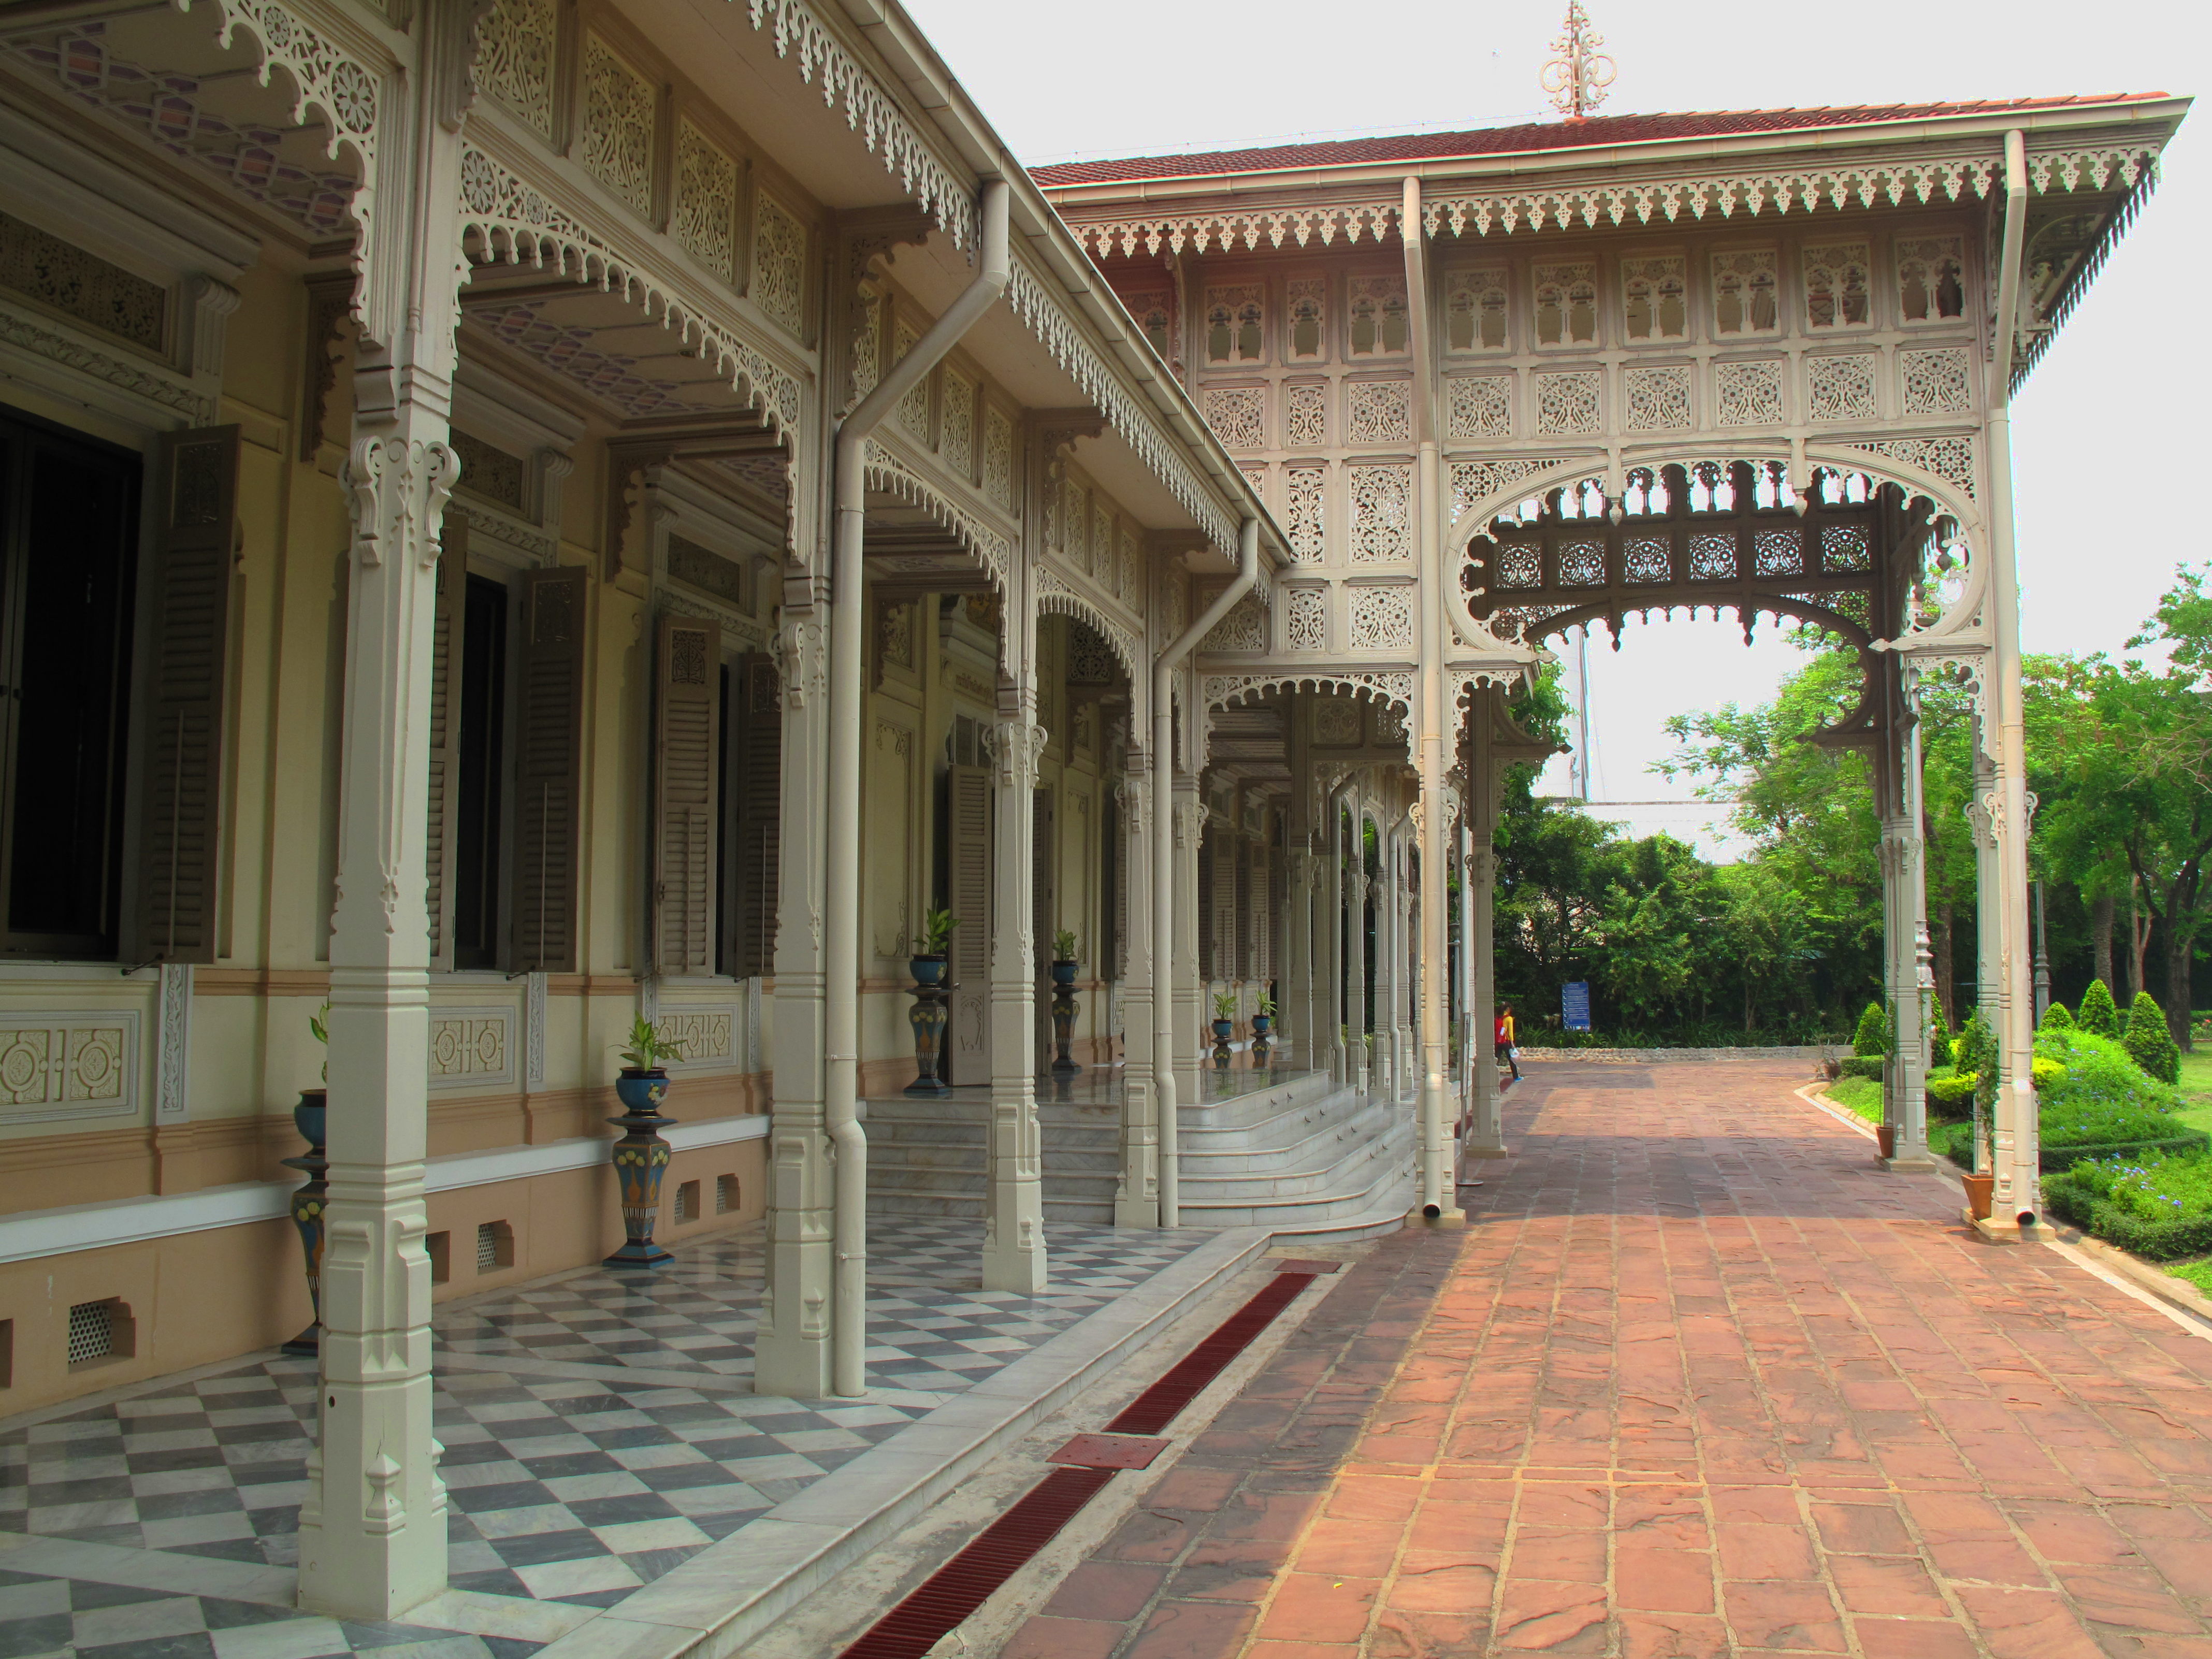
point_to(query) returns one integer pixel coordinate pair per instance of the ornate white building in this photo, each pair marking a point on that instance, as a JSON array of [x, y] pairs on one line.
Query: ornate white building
[[619, 507]]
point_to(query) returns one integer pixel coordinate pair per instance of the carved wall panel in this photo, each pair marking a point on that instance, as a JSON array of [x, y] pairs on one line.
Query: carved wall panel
[[472, 1050], [1382, 618], [81, 286], [1481, 406], [514, 60], [999, 458], [1236, 414], [956, 435], [58, 1065], [1747, 394], [1658, 399], [620, 122], [1306, 416], [1305, 618], [1382, 514], [707, 1035], [1244, 628], [1840, 388], [1570, 402], [779, 281], [704, 222], [1936, 382], [1307, 516], [1378, 412]]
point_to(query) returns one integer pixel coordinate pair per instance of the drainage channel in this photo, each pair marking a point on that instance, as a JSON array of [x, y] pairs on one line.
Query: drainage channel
[[1088, 1461]]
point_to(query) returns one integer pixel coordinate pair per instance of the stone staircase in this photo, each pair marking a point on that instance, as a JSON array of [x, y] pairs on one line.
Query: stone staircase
[[1299, 1157], [1302, 1157], [927, 1158]]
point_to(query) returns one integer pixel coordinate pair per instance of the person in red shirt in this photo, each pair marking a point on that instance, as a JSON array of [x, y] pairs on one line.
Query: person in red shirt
[[1502, 1040]]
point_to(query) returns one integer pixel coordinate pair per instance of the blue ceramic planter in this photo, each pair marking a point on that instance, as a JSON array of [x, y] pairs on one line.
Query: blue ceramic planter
[[926, 970], [1063, 973], [641, 1161], [642, 1092]]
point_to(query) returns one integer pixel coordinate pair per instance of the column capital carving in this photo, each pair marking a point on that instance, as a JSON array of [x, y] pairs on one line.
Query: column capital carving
[[1015, 747], [805, 664]]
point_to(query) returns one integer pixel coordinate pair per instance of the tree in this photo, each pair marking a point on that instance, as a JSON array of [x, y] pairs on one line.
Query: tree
[[2148, 1042], [2100, 1015], [2056, 1019], [1872, 1037]]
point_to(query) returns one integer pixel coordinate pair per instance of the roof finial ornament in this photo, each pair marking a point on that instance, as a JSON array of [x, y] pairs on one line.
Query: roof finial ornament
[[1577, 77]]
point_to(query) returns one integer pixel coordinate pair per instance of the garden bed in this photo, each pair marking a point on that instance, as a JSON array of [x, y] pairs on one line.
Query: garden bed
[[1955, 1141], [2159, 1208]]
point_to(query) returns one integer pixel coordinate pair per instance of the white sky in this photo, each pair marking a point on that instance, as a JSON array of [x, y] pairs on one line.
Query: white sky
[[2112, 422]]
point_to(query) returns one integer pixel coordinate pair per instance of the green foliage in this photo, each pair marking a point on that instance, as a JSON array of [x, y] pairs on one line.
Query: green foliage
[[1263, 1004], [1868, 1066], [1225, 1005], [648, 1048], [1951, 1094], [318, 1023], [2101, 1096], [2149, 1042], [1861, 1095], [2099, 1014], [2159, 1207], [1873, 1035], [936, 935], [2056, 1019], [1063, 946], [1975, 1054], [1939, 1034]]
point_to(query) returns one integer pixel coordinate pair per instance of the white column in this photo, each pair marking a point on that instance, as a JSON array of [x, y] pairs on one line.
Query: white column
[[1905, 919], [1486, 1134], [1297, 978], [792, 1347], [1137, 1192], [1191, 1007], [373, 1518], [1463, 982], [1331, 943], [1013, 1234], [1355, 990], [1407, 961]]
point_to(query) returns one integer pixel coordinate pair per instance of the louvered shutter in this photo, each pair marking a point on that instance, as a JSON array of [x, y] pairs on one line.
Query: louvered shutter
[[1226, 902], [1113, 897], [754, 814], [687, 733], [448, 631], [968, 875], [180, 832], [548, 779], [1044, 913], [1278, 903]]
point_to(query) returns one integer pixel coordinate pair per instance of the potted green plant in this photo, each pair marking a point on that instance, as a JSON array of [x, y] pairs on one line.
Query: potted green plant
[[311, 1117], [1263, 1015], [1224, 1015], [930, 947], [641, 1156], [1063, 958]]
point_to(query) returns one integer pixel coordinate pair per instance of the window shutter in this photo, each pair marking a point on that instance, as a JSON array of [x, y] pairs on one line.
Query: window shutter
[[549, 723], [1279, 900], [688, 718], [1044, 913], [180, 834], [756, 827], [968, 867], [445, 638], [1113, 898]]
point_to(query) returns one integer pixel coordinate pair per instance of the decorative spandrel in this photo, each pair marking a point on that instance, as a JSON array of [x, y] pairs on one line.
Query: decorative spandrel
[[1707, 535]]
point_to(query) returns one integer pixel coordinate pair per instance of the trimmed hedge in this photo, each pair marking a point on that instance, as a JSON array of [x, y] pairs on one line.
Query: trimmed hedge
[[1866, 1066], [1956, 1142], [2082, 1195]]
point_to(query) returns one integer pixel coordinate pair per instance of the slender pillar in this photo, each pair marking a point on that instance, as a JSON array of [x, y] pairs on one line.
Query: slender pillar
[[1191, 1009], [1463, 976], [1486, 1134], [1013, 1233], [1333, 931], [1297, 998], [792, 1347], [1355, 917], [373, 1518], [1137, 1193], [1904, 941], [1390, 965], [1410, 953]]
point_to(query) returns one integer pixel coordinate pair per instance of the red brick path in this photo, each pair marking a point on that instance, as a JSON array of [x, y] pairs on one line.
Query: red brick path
[[1696, 1379]]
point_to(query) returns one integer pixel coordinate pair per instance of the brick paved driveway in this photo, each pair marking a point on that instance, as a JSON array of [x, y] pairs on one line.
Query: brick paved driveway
[[1696, 1379]]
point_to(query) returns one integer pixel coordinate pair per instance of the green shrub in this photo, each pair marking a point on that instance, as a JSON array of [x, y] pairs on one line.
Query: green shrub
[[2149, 1041], [1872, 1037], [1975, 1054], [1870, 1067], [2047, 1071], [1939, 1034], [2099, 1015], [2056, 1019], [1950, 1094], [2158, 1206]]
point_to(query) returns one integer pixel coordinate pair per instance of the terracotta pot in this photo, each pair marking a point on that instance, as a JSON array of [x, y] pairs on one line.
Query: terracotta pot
[[1885, 1139], [1978, 1190]]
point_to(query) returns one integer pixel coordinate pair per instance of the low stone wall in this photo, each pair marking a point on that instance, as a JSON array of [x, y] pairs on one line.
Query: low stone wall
[[1806, 1055]]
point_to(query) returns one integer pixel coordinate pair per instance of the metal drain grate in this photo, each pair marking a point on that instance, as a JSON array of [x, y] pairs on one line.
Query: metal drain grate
[[91, 1331], [1154, 1409], [962, 1584]]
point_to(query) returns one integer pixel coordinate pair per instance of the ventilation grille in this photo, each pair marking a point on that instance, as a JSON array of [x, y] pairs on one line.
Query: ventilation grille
[[725, 1195], [91, 1331], [486, 1246], [1154, 1409], [962, 1584]]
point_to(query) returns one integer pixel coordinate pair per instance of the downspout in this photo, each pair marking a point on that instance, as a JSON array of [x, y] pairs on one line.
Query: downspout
[[1164, 667], [1439, 1196], [841, 904], [2017, 1183]]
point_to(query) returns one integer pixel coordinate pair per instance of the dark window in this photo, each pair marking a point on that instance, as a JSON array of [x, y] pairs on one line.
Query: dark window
[[68, 526], [483, 722]]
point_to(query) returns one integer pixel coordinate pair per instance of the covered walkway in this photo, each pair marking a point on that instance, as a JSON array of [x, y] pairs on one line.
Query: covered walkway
[[1698, 1379]]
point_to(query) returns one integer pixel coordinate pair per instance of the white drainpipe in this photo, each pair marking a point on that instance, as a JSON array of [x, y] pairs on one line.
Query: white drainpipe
[[840, 905], [1163, 1049]]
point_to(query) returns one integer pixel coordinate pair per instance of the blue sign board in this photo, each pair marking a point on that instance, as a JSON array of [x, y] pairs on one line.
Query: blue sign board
[[1574, 1005]]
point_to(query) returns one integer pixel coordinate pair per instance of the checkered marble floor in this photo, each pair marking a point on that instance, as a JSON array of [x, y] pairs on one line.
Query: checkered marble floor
[[599, 1429]]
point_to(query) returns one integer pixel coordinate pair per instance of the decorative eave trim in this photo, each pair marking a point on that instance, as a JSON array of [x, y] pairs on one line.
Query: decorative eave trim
[[1394, 686], [889, 472], [1042, 314], [1565, 204], [515, 222], [948, 197], [1056, 594]]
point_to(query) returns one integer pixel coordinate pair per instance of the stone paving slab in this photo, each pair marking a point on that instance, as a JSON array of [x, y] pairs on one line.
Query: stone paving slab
[[1696, 1380]]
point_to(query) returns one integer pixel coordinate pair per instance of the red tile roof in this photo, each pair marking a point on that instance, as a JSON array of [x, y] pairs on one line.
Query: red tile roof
[[1589, 132]]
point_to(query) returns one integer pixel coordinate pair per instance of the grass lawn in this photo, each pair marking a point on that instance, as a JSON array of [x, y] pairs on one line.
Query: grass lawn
[[2197, 1090], [2198, 1273], [1863, 1095]]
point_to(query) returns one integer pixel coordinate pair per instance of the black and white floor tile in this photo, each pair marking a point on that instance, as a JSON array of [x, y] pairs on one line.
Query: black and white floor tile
[[599, 1429]]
